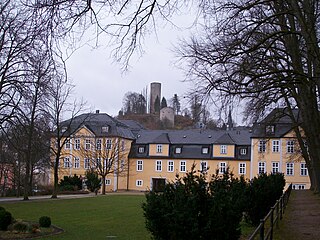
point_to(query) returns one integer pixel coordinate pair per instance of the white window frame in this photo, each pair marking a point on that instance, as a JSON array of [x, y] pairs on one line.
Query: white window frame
[[67, 144], [243, 151], [303, 169], [183, 166], [86, 163], [222, 167], [205, 150], [262, 146], [108, 181], [98, 144], [159, 148], [76, 162], [139, 165], [140, 149], [290, 146], [290, 169], [170, 166], [275, 146], [108, 144], [223, 149], [139, 183], [242, 168], [77, 144], [67, 162], [87, 144], [105, 129], [158, 166], [178, 150], [262, 168], [275, 166]]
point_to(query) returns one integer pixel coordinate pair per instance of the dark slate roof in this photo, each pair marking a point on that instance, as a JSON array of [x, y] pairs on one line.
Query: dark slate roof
[[195, 136], [280, 119], [95, 121]]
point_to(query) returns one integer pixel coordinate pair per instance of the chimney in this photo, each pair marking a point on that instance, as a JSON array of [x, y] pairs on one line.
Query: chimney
[[97, 111]]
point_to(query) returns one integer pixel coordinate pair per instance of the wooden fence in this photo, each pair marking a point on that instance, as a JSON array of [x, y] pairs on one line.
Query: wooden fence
[[265, 229]]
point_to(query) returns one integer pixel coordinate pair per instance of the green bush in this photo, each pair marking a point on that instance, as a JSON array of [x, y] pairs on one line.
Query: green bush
[[45, 221], [263, 193], [20, 227], [5, 219], [192, 208], [70, 183]]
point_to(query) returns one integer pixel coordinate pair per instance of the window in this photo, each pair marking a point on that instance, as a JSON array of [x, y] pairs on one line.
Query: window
[[262, 146], [275, 167], [242, 168], [223, 149], [243, 151], [158, 165], [66, 162], [290, 146], [122, 163], [86, 163], [298, 186], [261, 167], [139, 183], [98, 144], [178, 150], [63, 129], [76, 162], [183, 166], [108, 144], [205, 150], [159, 148], [108, 181], [275, 145], [77, 144], [139, 165], [289, 169], [270, 129], [170, 166], [203, 166], [105, 129], [222, 167], [67, 144], [303, 169], [141, 149], [87, 145]]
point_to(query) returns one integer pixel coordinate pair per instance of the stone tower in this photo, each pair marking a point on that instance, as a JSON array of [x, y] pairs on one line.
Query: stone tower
[[155, 91]]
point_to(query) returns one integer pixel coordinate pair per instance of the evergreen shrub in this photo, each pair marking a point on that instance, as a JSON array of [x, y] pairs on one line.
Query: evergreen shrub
[[192, 208], [45, 221], [5, 219], [264, 191]]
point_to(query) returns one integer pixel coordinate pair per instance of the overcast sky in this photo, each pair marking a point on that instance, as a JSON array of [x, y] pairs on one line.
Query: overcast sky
[[101, 83]]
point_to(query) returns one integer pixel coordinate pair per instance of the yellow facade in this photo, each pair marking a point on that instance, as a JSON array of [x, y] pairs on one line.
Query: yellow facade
[[149, 170], [83, 148], [280, 155], [159, 149], [223, 150]]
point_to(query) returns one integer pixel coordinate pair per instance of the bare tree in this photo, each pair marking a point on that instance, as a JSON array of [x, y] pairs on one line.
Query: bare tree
[[57, 107], [265, 53], [107, 156]]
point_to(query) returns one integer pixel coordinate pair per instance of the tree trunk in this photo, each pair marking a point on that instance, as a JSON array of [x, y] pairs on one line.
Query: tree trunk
[[103, 185], [55, 177]]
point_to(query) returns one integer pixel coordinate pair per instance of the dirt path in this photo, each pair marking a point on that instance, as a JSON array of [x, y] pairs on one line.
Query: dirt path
[[301, 220]]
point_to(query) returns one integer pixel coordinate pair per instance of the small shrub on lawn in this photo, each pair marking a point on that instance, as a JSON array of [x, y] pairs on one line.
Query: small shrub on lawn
[[45, 221], [5, 219], [20, 227]]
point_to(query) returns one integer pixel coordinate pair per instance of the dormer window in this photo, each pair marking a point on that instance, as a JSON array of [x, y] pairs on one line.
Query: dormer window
[[178, 150], [105, 129], [63, 129], [270, 129], [141, 149], [205, 150]]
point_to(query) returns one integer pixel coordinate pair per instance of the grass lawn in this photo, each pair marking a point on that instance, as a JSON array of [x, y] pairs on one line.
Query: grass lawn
[[102, 217]]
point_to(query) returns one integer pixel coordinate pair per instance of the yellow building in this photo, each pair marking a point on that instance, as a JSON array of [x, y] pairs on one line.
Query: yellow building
[[157, 156], [141, 160], [100, 142], [275, 149]]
